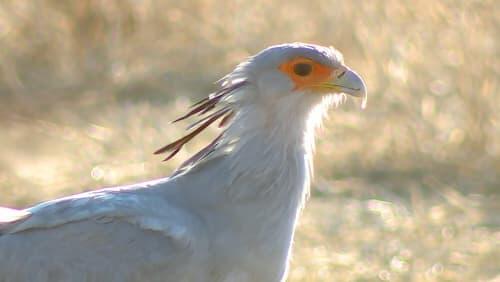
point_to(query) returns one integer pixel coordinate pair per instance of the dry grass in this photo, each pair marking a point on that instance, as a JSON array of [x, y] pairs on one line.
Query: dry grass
[[406, 190]]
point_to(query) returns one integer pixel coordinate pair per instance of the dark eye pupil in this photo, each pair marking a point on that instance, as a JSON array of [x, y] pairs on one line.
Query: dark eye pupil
[[302, 69]]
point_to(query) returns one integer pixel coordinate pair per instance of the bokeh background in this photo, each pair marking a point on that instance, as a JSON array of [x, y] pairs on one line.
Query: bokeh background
[[406, 190]]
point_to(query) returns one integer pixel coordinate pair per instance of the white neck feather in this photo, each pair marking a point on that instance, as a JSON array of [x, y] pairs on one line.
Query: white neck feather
[[271, 146], [258, 176]]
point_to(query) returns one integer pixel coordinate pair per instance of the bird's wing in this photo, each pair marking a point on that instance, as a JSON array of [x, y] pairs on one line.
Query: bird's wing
[[136, 233], [95, 251], [135, 204]]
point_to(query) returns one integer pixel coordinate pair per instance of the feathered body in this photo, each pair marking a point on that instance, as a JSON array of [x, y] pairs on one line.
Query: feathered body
[[227, 214]]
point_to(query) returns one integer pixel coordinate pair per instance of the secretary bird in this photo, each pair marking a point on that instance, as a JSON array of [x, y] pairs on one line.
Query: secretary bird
[[226, 214]]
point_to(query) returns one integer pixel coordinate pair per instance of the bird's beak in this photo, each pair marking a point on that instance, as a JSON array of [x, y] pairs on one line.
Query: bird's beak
[[348, 82]]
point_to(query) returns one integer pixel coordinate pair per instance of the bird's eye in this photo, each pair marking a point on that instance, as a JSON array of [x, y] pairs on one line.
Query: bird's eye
[[302, 69], [305, 72]]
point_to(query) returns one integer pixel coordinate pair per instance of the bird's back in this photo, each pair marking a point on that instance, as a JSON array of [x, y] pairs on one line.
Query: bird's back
[[131, 234], [91, 251]]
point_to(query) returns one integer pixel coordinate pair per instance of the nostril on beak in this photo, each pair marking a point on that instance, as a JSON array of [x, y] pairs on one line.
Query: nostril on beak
[[341, 74]]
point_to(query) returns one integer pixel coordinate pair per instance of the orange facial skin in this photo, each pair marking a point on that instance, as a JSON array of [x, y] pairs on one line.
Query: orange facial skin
[[319, 73]]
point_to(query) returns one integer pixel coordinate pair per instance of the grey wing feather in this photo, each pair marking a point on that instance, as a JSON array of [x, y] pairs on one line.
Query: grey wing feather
[[91, 251], [131, 234]]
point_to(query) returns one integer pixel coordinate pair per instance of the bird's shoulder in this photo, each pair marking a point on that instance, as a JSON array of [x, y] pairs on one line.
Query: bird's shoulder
[[142, 205]]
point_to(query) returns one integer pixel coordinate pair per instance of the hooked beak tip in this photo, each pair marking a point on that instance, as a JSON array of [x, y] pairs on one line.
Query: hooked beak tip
[[352, 84]]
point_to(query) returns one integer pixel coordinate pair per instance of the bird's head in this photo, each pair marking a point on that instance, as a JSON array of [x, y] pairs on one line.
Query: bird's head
[[299, 70], [280, 85]]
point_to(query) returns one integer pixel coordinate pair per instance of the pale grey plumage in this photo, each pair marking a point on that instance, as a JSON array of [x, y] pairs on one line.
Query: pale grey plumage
[[227, 215]]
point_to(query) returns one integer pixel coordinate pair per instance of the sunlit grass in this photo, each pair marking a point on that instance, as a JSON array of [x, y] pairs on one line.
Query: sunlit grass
[[405, 190]]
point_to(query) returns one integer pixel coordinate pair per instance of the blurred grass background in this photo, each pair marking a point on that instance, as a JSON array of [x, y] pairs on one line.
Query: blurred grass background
[[407, 190]]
